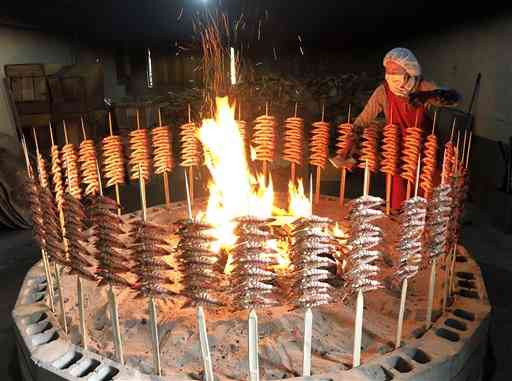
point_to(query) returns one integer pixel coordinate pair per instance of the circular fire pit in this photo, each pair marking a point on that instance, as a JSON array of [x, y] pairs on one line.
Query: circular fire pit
[[453, 349]]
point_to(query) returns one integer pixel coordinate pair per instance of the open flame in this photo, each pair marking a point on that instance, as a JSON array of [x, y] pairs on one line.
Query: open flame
[[234, 190], [300, 205]]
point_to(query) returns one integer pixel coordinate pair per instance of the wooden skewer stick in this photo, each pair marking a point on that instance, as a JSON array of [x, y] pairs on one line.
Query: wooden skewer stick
[[58, 283], [61, 298], [446, 277], [201, 320], [317, 188], [343, 182], [389, 182], [434, 123], [308, 333], [114, 313], [358, 327], [403, 297], [358, 330], [469, 150], [83, 127], [311, 191], [463, 148], [254, 368], [205, 347], [79, 288], [44, 255], [153, 320], [452, 270], [431, 291], [81, 311]]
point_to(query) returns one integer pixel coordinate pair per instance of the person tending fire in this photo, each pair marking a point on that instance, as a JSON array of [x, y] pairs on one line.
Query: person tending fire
[[404, 97]]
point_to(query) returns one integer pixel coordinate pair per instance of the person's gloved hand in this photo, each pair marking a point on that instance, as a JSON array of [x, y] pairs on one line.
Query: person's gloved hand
[[438, 97]]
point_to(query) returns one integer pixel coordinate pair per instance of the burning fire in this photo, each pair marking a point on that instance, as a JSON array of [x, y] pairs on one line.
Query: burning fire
[[300, 205], [234, 190]]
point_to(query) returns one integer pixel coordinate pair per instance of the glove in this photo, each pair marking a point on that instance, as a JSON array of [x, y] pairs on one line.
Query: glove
[[438, 97]]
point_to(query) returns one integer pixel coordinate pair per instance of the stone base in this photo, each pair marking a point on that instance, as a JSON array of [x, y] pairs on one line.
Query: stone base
[[453, 349]]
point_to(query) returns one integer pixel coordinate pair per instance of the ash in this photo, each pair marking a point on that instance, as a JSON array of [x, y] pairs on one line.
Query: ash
[[280, 328]]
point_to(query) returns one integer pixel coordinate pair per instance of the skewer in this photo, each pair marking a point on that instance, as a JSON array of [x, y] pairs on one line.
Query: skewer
[[191, 168], [319, 167], [200, 315], [433, 270], [409, 185], [431, 290], [389, 178], [165, 174], [469, 150], [116, 185], [254, 368], [308, 333], [292, 165], [56, 266], [343, 177], [358, 327], [153, 320], [44, 255], [265, 163], [405, 282], [79, 285], [114, 312], [450, 257]]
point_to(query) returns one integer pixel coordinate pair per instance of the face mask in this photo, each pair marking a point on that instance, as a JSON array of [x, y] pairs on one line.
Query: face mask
[[400, 84]]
